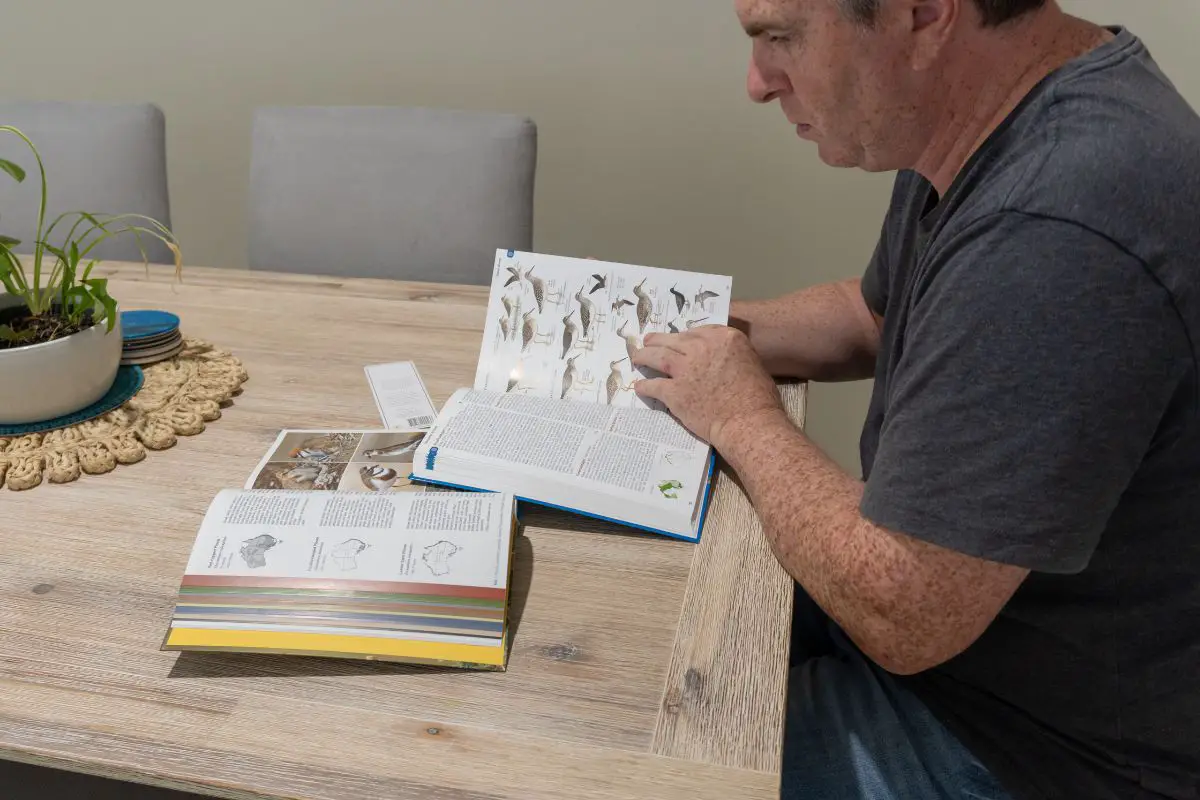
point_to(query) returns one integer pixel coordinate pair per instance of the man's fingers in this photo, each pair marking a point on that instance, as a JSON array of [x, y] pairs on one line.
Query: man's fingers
[[654, 388], [670, 341], [657, 358]]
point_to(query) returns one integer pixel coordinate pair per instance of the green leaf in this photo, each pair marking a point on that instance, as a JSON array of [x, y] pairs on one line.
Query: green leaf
[[13, 169], [8, 241], [10, 272], [7, 334], [99, 290]]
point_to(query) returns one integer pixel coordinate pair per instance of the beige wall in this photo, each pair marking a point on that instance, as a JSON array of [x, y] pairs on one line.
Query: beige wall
[[649, 148]]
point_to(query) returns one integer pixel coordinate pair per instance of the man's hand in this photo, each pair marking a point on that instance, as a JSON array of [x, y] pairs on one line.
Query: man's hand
[[713, 378]]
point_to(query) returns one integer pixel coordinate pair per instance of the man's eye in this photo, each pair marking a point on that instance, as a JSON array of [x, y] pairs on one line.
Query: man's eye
[[776, 38]]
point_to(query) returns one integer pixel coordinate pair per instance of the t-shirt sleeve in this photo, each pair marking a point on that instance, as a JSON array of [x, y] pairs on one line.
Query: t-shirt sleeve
[[1039, 360], [875, 278]]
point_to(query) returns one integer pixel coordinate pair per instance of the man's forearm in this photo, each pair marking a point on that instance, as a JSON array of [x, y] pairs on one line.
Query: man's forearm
[[823, 333], [907, 604]]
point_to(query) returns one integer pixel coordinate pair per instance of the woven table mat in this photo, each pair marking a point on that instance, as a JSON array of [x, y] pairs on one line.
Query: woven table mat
[[177, 397]]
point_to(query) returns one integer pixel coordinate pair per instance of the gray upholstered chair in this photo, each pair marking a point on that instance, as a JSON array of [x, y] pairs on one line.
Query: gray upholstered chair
[[408, 193], [104, 158]]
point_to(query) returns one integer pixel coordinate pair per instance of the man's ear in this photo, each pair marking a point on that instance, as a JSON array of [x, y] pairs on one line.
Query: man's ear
[[933, 23]]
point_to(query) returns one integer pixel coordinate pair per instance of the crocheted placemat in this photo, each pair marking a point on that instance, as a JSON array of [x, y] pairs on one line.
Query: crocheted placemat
[[177, 397]]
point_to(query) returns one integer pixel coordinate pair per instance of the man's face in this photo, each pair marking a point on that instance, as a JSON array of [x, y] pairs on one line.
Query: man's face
[[845, 87]]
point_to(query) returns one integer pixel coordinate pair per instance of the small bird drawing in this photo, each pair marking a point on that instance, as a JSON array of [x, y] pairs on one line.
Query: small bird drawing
[[539, 289], [568, 378], [587, 312], [645, 307], [570, 334], [506, 328], [615, 383], [401, 448], [508, 305], [703, 296], [691, 323], [378, 478], [601, 282], [672, 328], [631, 341], [529, 332], [303, 474], [680, 300], [311, 454], [517, 275], [620, 303]]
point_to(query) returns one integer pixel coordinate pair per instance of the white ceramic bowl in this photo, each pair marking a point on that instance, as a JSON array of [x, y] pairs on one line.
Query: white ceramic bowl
[[47, 380]]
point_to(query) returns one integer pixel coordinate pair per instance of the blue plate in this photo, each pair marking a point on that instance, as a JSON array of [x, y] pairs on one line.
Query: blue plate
[[126, 385], [143, 324]]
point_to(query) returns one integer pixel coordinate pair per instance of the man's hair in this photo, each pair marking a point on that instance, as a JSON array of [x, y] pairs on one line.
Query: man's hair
[[994, 12]]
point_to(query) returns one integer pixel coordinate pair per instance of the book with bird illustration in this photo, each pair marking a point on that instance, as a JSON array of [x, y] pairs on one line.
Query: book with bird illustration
[[416, 577], [552, 416]]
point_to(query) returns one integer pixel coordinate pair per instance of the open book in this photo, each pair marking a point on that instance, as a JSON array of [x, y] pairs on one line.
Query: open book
[[390, 575], [552, 417]]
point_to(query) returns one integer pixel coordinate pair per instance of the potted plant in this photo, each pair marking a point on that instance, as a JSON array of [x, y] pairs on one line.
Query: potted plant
[[60, 333]]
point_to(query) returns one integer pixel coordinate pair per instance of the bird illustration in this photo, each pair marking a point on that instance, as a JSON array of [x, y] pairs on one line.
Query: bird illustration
[[620, 303], [645, 307], [587, 311], [631, 341], [691, 323], [378, 478], [680, 300], [517, 275], [568, 378], [672, 328], [539, 289], [403, 447], [601, 282], [615, 383], [508, 305], [703, 296], [311, 454], [570, 334], [303, 474], [506, 328], [529, 333]]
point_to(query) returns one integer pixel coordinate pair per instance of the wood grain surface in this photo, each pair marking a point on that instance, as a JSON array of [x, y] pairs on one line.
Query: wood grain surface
[[641, 666]]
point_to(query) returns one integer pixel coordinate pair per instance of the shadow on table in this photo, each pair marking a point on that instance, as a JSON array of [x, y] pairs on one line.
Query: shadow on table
[[193, 664]]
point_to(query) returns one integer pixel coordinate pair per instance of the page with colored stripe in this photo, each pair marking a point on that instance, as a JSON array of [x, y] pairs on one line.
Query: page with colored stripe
[[409, 576]]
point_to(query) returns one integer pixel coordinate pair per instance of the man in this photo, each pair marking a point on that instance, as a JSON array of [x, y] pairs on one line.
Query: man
[[1008, 603]]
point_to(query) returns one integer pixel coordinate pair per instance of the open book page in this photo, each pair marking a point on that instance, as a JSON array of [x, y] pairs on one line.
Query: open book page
[[625, 453], [344, 461], [567, 327], [456, 539]]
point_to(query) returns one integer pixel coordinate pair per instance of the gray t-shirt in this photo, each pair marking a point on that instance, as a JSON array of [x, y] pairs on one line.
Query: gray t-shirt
[[1036, 403]]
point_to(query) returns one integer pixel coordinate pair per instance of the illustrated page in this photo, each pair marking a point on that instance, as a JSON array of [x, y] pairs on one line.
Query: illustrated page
[[568, 327], [342, 461], [453, 539]]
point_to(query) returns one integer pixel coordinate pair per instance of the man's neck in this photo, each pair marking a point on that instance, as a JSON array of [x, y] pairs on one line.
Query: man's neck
[[989, 75]]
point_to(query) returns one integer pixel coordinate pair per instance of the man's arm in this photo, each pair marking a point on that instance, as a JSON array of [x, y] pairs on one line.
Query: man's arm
[[1028, 399], [823, 333], [907, 604]]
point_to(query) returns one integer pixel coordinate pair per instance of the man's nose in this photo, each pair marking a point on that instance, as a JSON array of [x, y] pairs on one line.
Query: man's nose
[[759, 86]]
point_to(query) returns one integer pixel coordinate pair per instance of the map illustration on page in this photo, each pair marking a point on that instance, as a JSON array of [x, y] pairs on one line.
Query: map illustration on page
[[564, 327]]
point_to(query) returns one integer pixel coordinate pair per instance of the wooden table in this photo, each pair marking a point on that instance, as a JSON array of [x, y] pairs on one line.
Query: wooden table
[[673, 686]]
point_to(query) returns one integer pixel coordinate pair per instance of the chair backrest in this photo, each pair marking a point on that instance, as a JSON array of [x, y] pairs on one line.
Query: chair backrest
[[103, 158], [408, 193]]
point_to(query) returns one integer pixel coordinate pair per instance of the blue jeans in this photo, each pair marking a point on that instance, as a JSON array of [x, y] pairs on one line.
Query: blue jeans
[[853, 733]]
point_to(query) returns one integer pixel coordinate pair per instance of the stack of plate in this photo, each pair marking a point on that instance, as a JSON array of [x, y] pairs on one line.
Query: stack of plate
[[149, 336]]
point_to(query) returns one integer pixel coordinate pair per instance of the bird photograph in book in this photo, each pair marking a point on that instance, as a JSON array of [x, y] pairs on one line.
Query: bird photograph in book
[[568, 328]]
